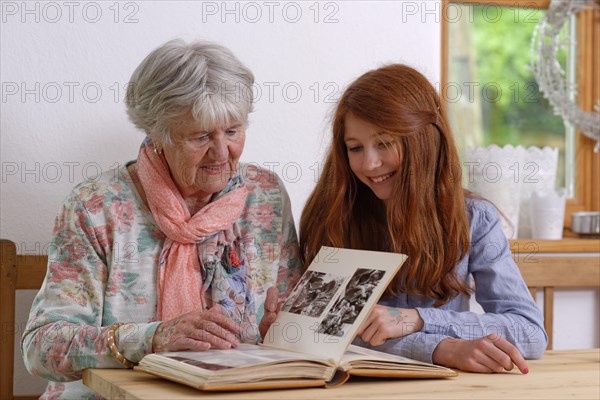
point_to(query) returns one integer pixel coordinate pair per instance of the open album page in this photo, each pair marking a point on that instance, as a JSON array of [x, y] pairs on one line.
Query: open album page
[[324, 311], [247, 363]]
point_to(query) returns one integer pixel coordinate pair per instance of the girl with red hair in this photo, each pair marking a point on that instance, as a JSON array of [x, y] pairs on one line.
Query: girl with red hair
[[392, 182]]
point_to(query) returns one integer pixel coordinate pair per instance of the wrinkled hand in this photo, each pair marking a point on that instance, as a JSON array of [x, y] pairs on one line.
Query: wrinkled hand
[[385, 323], [272, 308], [488, 354], [197, 331]]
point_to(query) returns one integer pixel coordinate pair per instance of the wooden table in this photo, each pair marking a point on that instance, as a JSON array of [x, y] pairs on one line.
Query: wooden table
[[558, 375]]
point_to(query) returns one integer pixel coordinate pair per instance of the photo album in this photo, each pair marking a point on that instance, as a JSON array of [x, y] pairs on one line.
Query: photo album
[[309, 344]]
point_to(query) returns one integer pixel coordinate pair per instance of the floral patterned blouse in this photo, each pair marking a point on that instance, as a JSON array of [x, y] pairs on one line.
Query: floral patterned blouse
[[102, 269]]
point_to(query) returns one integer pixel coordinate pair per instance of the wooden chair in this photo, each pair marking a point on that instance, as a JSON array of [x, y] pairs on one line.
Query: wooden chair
[[16, 272], [549, 272]]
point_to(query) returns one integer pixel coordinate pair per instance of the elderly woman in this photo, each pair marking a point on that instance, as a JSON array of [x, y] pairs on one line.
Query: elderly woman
[[173, 251]]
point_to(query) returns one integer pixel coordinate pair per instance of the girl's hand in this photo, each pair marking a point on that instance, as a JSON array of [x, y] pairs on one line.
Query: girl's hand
[[385, 323], [197, 331], [488, 354]]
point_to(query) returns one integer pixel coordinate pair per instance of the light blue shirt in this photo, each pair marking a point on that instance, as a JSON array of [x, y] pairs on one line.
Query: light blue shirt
[[499, 288]]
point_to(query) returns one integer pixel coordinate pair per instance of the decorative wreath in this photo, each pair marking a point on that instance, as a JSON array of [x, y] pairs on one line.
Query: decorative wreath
[[549, 73]]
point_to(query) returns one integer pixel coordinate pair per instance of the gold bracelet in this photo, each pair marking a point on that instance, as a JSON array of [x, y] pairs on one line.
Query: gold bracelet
[[113, 347]]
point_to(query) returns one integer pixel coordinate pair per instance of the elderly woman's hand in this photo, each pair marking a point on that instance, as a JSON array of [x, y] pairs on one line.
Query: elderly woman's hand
[[197, 331], [272, 308]]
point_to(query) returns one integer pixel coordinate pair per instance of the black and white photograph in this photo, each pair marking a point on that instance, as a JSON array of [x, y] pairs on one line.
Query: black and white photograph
[[313, 293], [348, 307]]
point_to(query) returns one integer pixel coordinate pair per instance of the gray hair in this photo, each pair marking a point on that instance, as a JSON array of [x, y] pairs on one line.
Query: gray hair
[[203, 78]]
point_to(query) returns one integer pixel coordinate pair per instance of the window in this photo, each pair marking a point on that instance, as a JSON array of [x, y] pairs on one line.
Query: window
[[485, 51]]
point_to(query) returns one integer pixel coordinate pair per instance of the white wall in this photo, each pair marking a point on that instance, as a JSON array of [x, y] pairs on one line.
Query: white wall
[[63, 116], [65, 64], [64, 68]]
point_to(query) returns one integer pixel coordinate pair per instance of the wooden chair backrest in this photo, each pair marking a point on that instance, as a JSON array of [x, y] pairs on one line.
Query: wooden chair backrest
[[17, 272], [549, 272]]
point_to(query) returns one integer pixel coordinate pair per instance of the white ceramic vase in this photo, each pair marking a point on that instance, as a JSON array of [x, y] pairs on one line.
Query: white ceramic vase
[[494, 173], [538, 175]]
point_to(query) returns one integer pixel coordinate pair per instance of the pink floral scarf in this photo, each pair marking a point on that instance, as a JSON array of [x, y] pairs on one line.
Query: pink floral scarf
[[180, 281]]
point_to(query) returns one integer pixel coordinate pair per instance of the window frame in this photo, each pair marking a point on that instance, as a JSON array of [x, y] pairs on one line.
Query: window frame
[[587, 163]]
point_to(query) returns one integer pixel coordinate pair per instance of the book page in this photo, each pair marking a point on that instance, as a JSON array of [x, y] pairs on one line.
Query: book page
[[229, 368], [357, 353], [244, 355], [336, 293], [368, 362]]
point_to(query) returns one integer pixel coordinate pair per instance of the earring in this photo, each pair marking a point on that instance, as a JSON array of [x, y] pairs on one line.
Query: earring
[[157, 151]]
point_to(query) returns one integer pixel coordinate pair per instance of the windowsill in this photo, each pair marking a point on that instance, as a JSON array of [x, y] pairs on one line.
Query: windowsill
[[569, 244]]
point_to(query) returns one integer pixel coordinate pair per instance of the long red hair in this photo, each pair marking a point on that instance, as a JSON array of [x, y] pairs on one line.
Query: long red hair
[[425, 217]]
